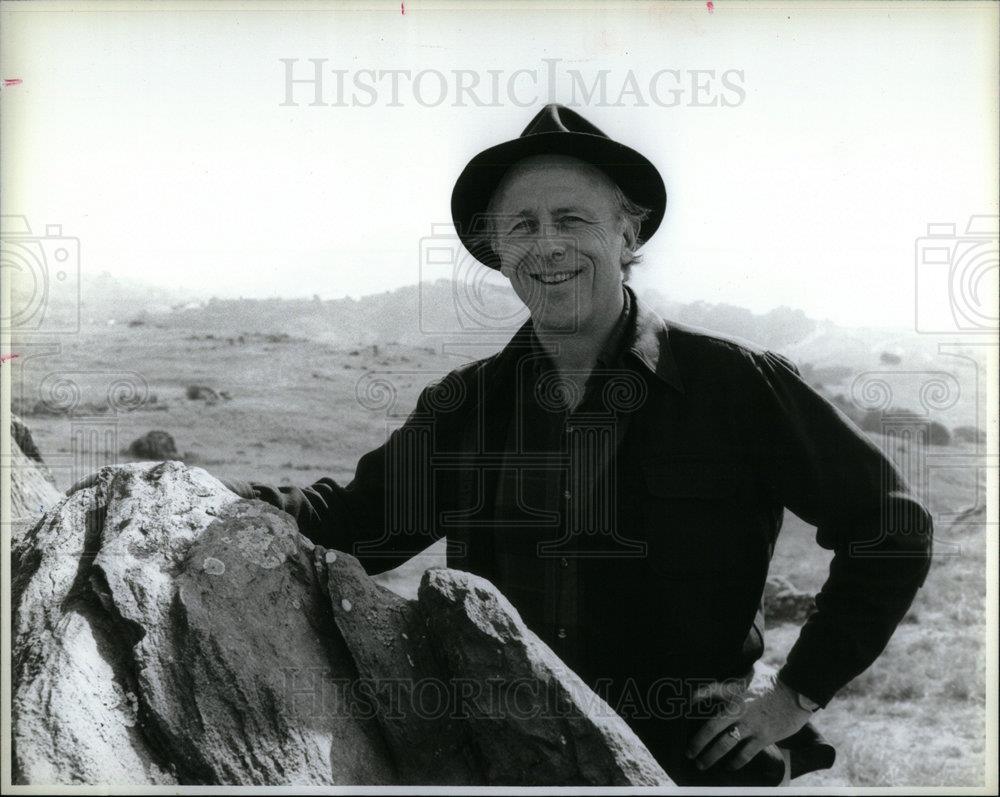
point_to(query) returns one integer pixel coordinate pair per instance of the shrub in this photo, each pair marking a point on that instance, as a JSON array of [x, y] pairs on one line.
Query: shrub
[[970, 434]]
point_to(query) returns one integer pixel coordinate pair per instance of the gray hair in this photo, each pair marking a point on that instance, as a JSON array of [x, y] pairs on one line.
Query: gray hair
[[632, 213]]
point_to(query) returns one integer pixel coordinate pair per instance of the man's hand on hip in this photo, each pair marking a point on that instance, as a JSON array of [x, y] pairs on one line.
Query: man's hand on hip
[[747, 723]]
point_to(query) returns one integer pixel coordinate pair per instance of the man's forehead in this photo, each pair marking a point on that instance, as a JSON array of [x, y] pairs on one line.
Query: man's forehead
[[566, 179]]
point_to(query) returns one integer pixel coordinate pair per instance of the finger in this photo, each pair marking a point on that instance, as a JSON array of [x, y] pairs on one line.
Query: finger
[[745, 754], [722, 745], [706, 733], [724, 692], [707, 692]]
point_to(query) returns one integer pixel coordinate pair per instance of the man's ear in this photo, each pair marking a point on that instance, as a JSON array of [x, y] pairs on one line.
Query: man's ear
[[626, 244]]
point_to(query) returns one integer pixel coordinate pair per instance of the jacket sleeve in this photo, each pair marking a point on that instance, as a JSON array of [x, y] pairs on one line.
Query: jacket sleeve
[[831, 475], [384, 516]]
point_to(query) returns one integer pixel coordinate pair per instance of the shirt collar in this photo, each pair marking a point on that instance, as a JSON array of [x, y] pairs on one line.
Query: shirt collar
[[650, 343], [638, 331]]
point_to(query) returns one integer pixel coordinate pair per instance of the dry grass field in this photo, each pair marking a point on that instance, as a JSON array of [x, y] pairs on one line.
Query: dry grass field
[[299, 409]]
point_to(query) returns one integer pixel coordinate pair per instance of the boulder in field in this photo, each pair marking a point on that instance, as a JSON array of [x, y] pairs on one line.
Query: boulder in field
[[156, 445], [970, 434], [201, 393]]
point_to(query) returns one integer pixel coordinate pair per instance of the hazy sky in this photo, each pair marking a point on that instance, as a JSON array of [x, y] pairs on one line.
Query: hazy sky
[[159, 138]]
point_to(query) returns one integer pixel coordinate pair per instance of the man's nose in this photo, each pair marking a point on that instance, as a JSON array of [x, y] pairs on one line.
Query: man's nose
[[551, 247]]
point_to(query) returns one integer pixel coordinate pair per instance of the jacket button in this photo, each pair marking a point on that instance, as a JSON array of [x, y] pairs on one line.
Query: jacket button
[[561, 633], [564, 562], [567, 495]]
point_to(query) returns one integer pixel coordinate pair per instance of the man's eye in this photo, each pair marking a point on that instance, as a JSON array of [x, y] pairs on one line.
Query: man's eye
[[573, 220], [522, 226]]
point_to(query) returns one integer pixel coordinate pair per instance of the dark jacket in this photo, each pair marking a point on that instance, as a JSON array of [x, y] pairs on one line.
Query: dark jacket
[[715, 438]]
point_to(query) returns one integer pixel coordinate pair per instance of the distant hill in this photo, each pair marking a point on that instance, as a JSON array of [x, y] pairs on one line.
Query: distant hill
[[52, 305], [412, 314], [486, 313]]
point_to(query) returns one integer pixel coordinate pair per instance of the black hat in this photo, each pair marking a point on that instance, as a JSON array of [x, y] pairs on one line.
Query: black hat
[[556, 130]]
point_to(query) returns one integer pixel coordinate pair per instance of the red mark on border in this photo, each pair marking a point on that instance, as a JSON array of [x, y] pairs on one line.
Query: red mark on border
[[402, 9], [7, 357], [710, 6], [11, 81]]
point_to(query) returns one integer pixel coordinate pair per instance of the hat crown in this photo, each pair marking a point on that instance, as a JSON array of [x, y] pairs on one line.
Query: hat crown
[[555, 118]]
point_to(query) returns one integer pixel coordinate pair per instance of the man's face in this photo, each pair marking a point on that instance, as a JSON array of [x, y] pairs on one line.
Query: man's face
[[560, 240]]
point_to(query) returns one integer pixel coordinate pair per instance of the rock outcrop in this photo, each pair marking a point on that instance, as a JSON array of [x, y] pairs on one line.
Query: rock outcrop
[[535, 722], [32, 488], [158, 625], [166, 631]]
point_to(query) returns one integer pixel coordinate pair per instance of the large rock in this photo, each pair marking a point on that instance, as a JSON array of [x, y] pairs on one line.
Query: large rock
[[167, 631], [399, 667], [32, 488], [534, 721]]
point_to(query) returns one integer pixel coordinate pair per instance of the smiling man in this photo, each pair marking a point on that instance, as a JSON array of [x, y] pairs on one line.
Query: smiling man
[[622, 480], [563, 231]]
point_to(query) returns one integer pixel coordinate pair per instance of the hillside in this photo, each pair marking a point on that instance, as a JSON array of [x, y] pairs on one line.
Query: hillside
[[480, 317]]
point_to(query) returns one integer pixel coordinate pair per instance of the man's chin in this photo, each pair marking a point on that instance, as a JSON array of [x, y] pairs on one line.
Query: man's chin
[[551, 320]]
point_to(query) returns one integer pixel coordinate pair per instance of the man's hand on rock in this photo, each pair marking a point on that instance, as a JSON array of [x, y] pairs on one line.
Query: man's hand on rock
[[750, 721], [234, 486]]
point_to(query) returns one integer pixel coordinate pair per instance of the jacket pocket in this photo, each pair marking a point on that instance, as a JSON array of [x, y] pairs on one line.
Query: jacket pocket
[[699, 517]]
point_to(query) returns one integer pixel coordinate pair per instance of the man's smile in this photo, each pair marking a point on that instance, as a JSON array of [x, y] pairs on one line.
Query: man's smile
[[555, 277]]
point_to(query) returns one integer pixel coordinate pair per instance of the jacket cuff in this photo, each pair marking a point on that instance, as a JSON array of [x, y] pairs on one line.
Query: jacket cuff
[[241, 488], [792, 677]]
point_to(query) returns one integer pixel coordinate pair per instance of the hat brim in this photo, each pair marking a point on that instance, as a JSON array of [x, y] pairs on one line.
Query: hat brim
[[634, 173]]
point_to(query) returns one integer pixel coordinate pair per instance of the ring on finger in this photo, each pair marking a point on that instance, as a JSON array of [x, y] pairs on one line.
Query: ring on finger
[[734, 731]]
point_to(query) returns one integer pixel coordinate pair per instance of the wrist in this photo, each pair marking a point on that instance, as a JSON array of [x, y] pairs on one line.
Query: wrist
[[802, 701]]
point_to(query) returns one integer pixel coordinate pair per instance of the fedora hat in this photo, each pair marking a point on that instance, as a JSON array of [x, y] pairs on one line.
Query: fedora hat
[[555, 130]]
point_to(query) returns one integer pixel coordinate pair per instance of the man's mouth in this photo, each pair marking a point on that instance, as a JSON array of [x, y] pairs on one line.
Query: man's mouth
[[555, 277]]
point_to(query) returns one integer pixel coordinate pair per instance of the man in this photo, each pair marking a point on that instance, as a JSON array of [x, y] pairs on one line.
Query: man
[[622, 480]]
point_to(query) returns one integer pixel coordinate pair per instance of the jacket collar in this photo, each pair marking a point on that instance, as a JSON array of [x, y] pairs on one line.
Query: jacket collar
[[650, 343], [648, 340]]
